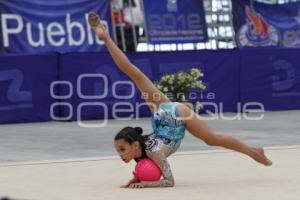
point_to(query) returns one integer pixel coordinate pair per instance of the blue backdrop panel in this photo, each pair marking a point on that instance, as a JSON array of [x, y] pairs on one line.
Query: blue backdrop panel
[[25, 87], [87, 70], [271, 77], [220, 69]]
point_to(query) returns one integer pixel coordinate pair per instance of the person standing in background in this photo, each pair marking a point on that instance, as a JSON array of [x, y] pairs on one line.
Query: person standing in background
[[129, 21]]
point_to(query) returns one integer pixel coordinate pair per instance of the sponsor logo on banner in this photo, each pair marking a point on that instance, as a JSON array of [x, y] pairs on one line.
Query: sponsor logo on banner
[[284, 79], [175, 21], [291, 37], [257, 31], [54, 33], [45, 26], [16, 97], [261, 24]]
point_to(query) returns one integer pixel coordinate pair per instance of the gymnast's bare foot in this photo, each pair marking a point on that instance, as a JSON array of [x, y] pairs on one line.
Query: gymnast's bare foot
[[258, 154]]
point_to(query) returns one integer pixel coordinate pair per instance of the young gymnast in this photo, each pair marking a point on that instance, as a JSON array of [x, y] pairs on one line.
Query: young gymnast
[[169, 122]]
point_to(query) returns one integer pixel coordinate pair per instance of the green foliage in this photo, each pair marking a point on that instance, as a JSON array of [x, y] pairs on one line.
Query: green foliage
[[176, 86]]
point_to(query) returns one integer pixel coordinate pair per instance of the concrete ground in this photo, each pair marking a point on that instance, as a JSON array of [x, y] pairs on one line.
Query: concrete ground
[[64, 161]]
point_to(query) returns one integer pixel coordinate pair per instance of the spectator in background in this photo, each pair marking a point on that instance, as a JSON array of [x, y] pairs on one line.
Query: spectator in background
[[133, 13], [129, 18], [117, 11]]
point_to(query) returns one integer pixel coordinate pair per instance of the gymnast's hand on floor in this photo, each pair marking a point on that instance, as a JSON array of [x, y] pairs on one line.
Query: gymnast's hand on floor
[[133, 180], [97, 26], [136, 185]]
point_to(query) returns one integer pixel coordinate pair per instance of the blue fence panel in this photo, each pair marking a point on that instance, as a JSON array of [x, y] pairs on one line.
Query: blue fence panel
[[93, 77], [89, 86], [271, 77], [25, 82], [98, 85]]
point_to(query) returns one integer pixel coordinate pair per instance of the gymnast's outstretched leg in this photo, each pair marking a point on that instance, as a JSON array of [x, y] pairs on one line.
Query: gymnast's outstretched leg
[[152, 95], [199, 129]]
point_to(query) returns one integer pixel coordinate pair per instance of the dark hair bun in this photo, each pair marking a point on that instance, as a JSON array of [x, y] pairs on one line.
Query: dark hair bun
[[138, 130]]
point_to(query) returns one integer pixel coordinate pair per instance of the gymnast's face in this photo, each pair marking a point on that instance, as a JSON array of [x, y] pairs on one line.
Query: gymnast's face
[[127, 151]]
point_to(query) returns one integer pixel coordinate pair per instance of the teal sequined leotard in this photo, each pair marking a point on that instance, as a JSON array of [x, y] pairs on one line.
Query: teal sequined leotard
[[168, 129]]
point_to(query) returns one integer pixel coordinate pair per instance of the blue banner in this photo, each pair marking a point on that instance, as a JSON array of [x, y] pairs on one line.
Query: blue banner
[[34, 26], [25, 82], [170, 21], [258, 24], [271, 77]]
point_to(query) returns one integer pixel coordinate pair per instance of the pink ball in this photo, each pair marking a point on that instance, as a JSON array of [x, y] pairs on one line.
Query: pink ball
[[147, 170]]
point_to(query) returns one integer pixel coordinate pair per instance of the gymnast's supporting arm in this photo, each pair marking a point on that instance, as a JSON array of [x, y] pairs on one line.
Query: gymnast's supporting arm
[[168, 180]]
